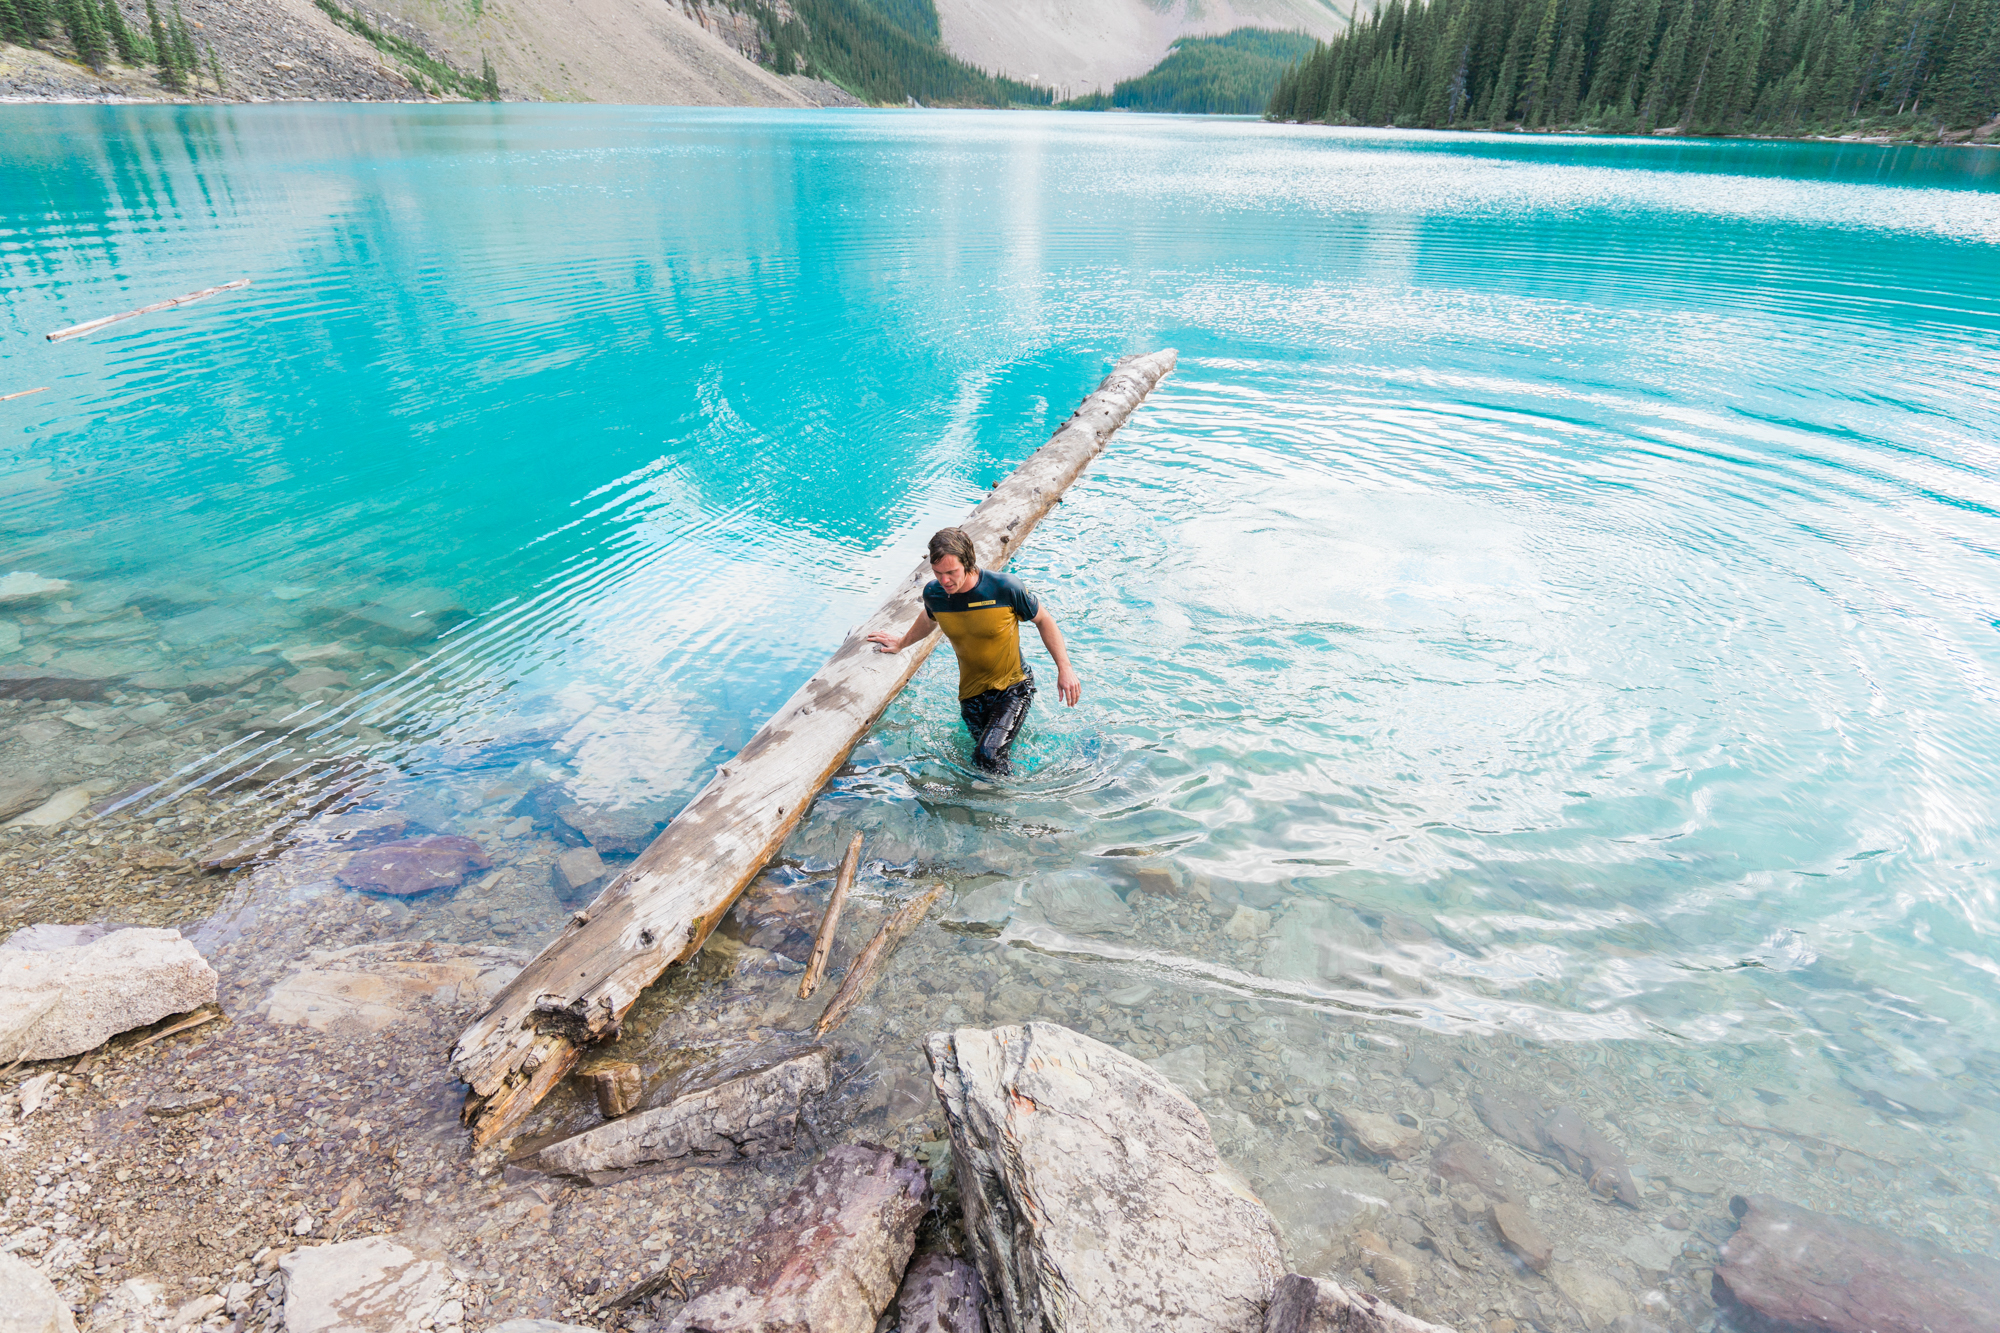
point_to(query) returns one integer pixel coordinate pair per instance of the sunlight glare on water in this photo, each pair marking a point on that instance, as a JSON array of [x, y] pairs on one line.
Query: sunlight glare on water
[[1551, 611]]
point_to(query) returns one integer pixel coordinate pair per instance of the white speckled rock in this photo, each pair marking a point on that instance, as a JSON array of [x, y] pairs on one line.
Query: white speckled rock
[[109, 985], [1094, 1198], [29, 1302], [372, 1285]]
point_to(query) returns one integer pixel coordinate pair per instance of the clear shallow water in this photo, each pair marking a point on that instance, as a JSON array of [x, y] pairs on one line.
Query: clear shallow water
[[1557, 590]]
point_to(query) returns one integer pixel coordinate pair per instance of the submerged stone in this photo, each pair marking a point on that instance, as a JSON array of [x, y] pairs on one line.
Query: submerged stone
[[1079, 901], [375, 985], [21, 587], [412, 866], [1796, 1266]]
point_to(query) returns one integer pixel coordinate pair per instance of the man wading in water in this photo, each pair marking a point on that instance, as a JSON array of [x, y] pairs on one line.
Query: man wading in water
[[979, 612]]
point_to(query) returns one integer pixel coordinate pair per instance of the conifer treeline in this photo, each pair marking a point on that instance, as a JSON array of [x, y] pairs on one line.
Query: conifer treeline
[[883, 51], [1231, 74], [1700, 66], [98, 29]]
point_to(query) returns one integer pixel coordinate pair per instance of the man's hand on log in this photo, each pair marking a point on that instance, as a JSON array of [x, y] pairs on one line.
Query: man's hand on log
[[885, 642]]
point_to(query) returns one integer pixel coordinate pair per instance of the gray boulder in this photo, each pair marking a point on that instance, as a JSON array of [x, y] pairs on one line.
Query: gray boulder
[[827, 1259], [372, 1285], [29, 1302], [746, 1116], [88, 993], [1093, 1195]]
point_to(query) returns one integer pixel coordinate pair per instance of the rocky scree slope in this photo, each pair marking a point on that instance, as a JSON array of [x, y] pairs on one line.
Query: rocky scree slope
[[623, 51]]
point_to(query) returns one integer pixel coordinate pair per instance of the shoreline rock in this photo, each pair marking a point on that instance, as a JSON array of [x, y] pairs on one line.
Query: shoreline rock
[[747, 1116], [1093, 1194], [91, 992], [828, 1259]]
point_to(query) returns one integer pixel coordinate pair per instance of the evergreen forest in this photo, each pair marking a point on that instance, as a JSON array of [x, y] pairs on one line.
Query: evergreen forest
[[1235, 73], [882, 51], [1911, 68]]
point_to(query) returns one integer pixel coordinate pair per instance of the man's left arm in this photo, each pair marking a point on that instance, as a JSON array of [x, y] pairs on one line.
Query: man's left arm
[[1069, 687]]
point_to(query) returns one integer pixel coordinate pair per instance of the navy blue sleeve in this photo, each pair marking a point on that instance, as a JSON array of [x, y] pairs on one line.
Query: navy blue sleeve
[[1015, 593]]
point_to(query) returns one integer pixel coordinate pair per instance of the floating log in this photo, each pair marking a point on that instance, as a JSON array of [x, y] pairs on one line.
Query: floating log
[[78, 330], [823, 942], [867, 969], [658, 913], [22, 393]]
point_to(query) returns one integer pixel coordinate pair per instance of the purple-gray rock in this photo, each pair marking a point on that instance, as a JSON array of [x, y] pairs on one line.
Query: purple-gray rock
[[941, 1294], [827, 1259], [1795, 1266], [411, 866], [611, 832]]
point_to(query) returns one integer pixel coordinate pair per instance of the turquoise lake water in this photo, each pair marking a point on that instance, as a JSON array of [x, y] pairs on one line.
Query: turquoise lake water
[[1560, 589]]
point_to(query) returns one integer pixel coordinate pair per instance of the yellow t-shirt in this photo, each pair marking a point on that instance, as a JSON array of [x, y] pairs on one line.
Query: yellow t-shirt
[[984, 626]]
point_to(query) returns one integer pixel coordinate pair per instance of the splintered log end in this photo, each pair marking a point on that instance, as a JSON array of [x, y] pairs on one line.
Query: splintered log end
[[501, 1111]]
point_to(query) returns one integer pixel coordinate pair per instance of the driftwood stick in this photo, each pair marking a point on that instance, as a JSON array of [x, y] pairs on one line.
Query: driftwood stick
[[193, 1021], [823, 942], [1796, 1136], [22, 393], [867, 969], [77, 330], [660, 910]]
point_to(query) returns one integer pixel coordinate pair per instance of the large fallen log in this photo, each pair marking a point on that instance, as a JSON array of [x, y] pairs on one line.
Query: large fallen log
[[658, 913]]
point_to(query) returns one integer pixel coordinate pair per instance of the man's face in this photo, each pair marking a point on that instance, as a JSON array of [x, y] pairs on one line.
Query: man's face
[[953, 577]]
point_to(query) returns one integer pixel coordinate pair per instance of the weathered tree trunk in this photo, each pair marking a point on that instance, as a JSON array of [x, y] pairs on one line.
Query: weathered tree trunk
[[91, 326], [658, 913], [829, 924]]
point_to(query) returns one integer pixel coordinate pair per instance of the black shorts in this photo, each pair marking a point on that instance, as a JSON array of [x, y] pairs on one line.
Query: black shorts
[[994, 717]]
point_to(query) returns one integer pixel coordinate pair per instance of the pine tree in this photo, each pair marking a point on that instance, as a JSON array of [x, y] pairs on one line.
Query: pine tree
[[185, 55], [39, 17], [1541, 69], [123, 39], [1663, 79], [86, 32], [163, 49], [13, 27], [1500, 101], [489, 78], [1614, 57], [215, 70]]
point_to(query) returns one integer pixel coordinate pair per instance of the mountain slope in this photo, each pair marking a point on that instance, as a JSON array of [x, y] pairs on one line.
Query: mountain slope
[[1082, 46], [1232, 75]]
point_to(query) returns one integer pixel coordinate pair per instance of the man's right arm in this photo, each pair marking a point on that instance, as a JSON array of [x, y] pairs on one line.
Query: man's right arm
[[920, 629]]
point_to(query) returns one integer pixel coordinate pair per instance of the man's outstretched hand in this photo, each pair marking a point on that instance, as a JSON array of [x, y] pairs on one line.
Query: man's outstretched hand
[[1069, 687], [885, 642]]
